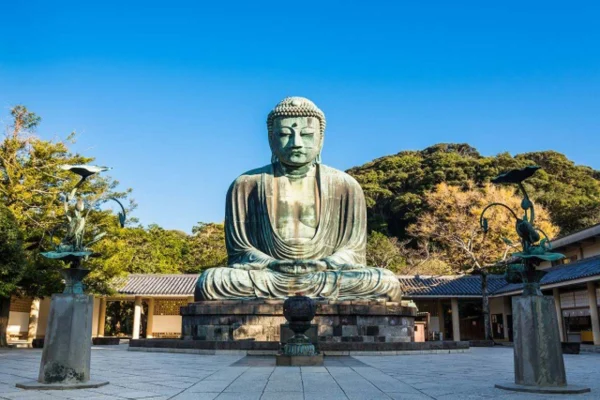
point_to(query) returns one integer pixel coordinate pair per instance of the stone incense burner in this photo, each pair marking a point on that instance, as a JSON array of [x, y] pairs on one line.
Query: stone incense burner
[[299, 311]]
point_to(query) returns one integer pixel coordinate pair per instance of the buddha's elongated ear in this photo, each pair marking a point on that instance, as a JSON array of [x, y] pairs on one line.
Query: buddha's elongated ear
[[318, 158], [274, 159]]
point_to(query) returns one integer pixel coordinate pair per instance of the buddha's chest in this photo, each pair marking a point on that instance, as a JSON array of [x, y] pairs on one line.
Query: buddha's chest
[[296, 208]]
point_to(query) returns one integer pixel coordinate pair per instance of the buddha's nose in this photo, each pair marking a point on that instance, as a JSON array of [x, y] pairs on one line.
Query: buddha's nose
[[297, 141]]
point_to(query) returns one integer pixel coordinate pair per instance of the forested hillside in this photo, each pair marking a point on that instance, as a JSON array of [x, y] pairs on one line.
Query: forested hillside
[[395, 185]]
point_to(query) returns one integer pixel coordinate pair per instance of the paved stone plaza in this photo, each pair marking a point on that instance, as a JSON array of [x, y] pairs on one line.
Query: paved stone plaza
[[154, 376]]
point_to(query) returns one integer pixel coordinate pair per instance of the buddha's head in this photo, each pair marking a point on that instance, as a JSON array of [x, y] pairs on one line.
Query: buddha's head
[[296, 131]]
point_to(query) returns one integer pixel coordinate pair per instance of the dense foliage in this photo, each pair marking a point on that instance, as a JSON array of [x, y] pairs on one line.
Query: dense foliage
[[156, 250], [451, 225], [31, 189], [11, 265], [395, 185], [12, 258]]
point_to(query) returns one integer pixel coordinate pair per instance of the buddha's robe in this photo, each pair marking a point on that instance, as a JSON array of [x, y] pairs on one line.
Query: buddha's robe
[[253, 244]]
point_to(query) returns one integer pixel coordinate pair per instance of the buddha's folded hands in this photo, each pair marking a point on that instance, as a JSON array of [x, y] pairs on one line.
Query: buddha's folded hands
[[298, 267]]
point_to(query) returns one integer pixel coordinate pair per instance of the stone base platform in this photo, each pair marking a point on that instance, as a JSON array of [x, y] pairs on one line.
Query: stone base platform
[[261, 320], [35, 385], [299, 361], [251, 347], [567, 389], [109, 341]]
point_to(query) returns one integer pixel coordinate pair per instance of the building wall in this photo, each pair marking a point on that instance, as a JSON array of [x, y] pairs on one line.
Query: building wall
[[18, 322], [43, 317], [434, 324], [577, 252], [166, 324], [591, 250], [95, 314], [577, 299], [496, 305], [430, 306], [18, 316], [571, 255]]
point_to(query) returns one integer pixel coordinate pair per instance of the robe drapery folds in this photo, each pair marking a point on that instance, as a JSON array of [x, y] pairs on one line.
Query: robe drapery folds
[[253, 244]]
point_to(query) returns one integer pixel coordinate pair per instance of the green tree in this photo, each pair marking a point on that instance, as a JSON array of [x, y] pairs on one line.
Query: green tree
[[569, 192], [141, 250], [12, 262], [384, 252], [422, 258], [207, 247], [154, 250], [452, 225], [32, 186], [395, 185], [451, 222]]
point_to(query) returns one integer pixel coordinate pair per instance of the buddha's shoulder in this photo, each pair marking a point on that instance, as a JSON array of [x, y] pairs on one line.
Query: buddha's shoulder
[[339, 175], [252, 176]]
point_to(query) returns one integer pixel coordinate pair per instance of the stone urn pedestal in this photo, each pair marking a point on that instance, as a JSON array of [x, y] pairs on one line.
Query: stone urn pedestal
[[299, 311], [538, 357], [67, 345], [335, 322]]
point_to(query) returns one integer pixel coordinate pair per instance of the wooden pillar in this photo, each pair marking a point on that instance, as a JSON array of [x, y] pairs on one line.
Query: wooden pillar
[[102, 316], [34, 313], [559, 316], [137, 316], [441, 320], [150, 318], [506, 311], [455, 320], [591, 286]]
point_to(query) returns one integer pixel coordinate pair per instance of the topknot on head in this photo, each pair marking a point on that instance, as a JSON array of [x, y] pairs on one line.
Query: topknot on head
[[296, 107]]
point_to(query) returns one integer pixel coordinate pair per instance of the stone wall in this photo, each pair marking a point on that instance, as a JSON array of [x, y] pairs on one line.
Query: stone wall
[[261, 320], [251, 347]]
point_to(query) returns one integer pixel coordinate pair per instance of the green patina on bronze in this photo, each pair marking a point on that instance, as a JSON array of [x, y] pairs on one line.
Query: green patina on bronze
[[72, 249], [56, 372], [534, 250], [296, 225]]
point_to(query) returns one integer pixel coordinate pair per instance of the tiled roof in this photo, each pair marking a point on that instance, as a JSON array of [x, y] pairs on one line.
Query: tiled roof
[[576, 237], [412, 286], [156, 284], [576, 270], [447, 286]]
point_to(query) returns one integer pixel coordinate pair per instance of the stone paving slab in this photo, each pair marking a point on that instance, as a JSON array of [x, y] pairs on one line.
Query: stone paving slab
[[166, 376]]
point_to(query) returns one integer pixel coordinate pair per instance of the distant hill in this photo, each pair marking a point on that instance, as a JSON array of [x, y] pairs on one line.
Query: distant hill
[[394, 185]]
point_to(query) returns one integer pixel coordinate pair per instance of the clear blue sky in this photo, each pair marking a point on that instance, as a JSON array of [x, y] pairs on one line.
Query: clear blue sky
[[174, 95]]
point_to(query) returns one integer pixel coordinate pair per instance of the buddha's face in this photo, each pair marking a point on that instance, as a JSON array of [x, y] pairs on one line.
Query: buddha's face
[[296, 141]]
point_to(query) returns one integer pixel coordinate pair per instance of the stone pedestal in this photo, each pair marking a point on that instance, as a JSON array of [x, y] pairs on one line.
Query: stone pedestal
[[539, 365], [299, 361], [538, 352], [261, 320], [67, 345]]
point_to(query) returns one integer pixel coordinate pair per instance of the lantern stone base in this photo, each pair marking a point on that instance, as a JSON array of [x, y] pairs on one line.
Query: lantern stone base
[[67, 345], [35, 385], [537, 349], [299, 361], [335, 321], [567, 389], [538, 357]]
